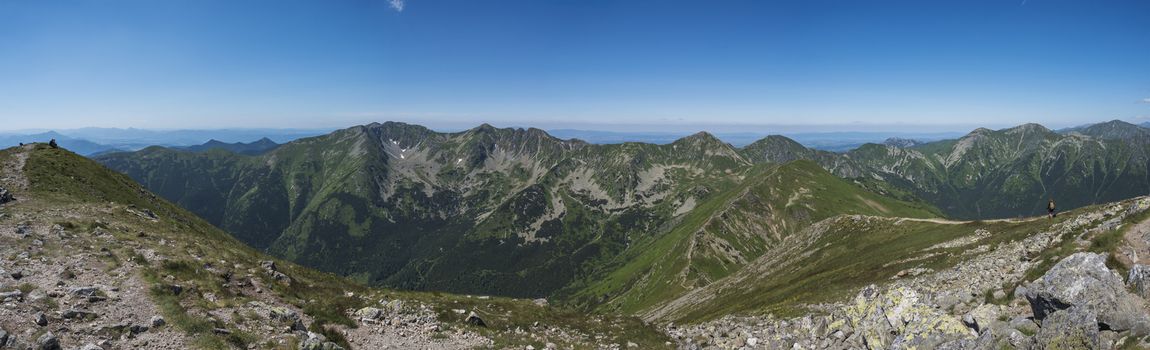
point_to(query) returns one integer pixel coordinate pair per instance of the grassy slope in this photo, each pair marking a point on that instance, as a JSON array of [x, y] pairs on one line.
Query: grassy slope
[[662, 269], [847, 257], [855, 252], [99, 197]]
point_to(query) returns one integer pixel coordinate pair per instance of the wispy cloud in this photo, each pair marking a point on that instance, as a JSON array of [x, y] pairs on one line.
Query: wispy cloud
[[397, 5], [1145, 100]]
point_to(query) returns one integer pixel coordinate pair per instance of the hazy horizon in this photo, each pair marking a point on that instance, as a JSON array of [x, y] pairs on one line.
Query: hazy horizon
[[617, 127]]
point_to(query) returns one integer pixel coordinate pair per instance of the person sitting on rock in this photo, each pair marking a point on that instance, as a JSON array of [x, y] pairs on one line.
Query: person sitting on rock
[[1050, 209], [52, 143]]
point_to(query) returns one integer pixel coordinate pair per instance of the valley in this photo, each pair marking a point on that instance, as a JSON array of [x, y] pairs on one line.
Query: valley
[[518, 212]]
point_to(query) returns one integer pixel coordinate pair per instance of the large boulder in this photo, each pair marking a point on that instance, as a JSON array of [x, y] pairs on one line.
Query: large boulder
[[1082, 280]]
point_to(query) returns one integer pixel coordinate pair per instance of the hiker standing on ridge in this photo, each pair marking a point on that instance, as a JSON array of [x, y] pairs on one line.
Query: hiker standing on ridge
[[1050, 208]]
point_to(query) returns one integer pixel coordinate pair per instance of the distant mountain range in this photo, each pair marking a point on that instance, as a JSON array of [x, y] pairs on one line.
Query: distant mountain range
[[827, 141], [96, 141], [257, 147], [80, 146]]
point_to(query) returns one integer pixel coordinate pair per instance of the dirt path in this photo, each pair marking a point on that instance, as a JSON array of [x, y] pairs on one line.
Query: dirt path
[[12, 171], [961, 222], [1136, 249]]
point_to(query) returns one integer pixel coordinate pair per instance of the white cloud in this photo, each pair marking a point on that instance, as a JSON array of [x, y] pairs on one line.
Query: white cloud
[[397, 5], [1146, 100]]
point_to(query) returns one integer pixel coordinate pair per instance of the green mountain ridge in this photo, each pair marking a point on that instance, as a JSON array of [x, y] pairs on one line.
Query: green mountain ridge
[[1008, 173], [504, 211], [730, 230], [617, 228]]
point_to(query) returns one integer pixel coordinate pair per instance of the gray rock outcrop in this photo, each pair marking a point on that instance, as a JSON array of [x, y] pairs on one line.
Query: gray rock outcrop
[[1139, 280], [1082, 280]]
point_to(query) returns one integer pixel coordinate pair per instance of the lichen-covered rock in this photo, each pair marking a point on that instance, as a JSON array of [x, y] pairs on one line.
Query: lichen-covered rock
[[981, 317], [1073, 328], [897, 319], [1082, 280], [316, 341], [369, 313], [286, 316]]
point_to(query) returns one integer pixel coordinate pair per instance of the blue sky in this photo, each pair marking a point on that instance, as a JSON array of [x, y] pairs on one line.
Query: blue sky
[[631, 65]]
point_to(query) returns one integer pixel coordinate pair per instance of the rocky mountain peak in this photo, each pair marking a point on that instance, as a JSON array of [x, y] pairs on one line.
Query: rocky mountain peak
[[901, 142], [775, 141], [1116, 130], [776, 149], [1028, 128], [484, 128], [979, 131], [701, 137]]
